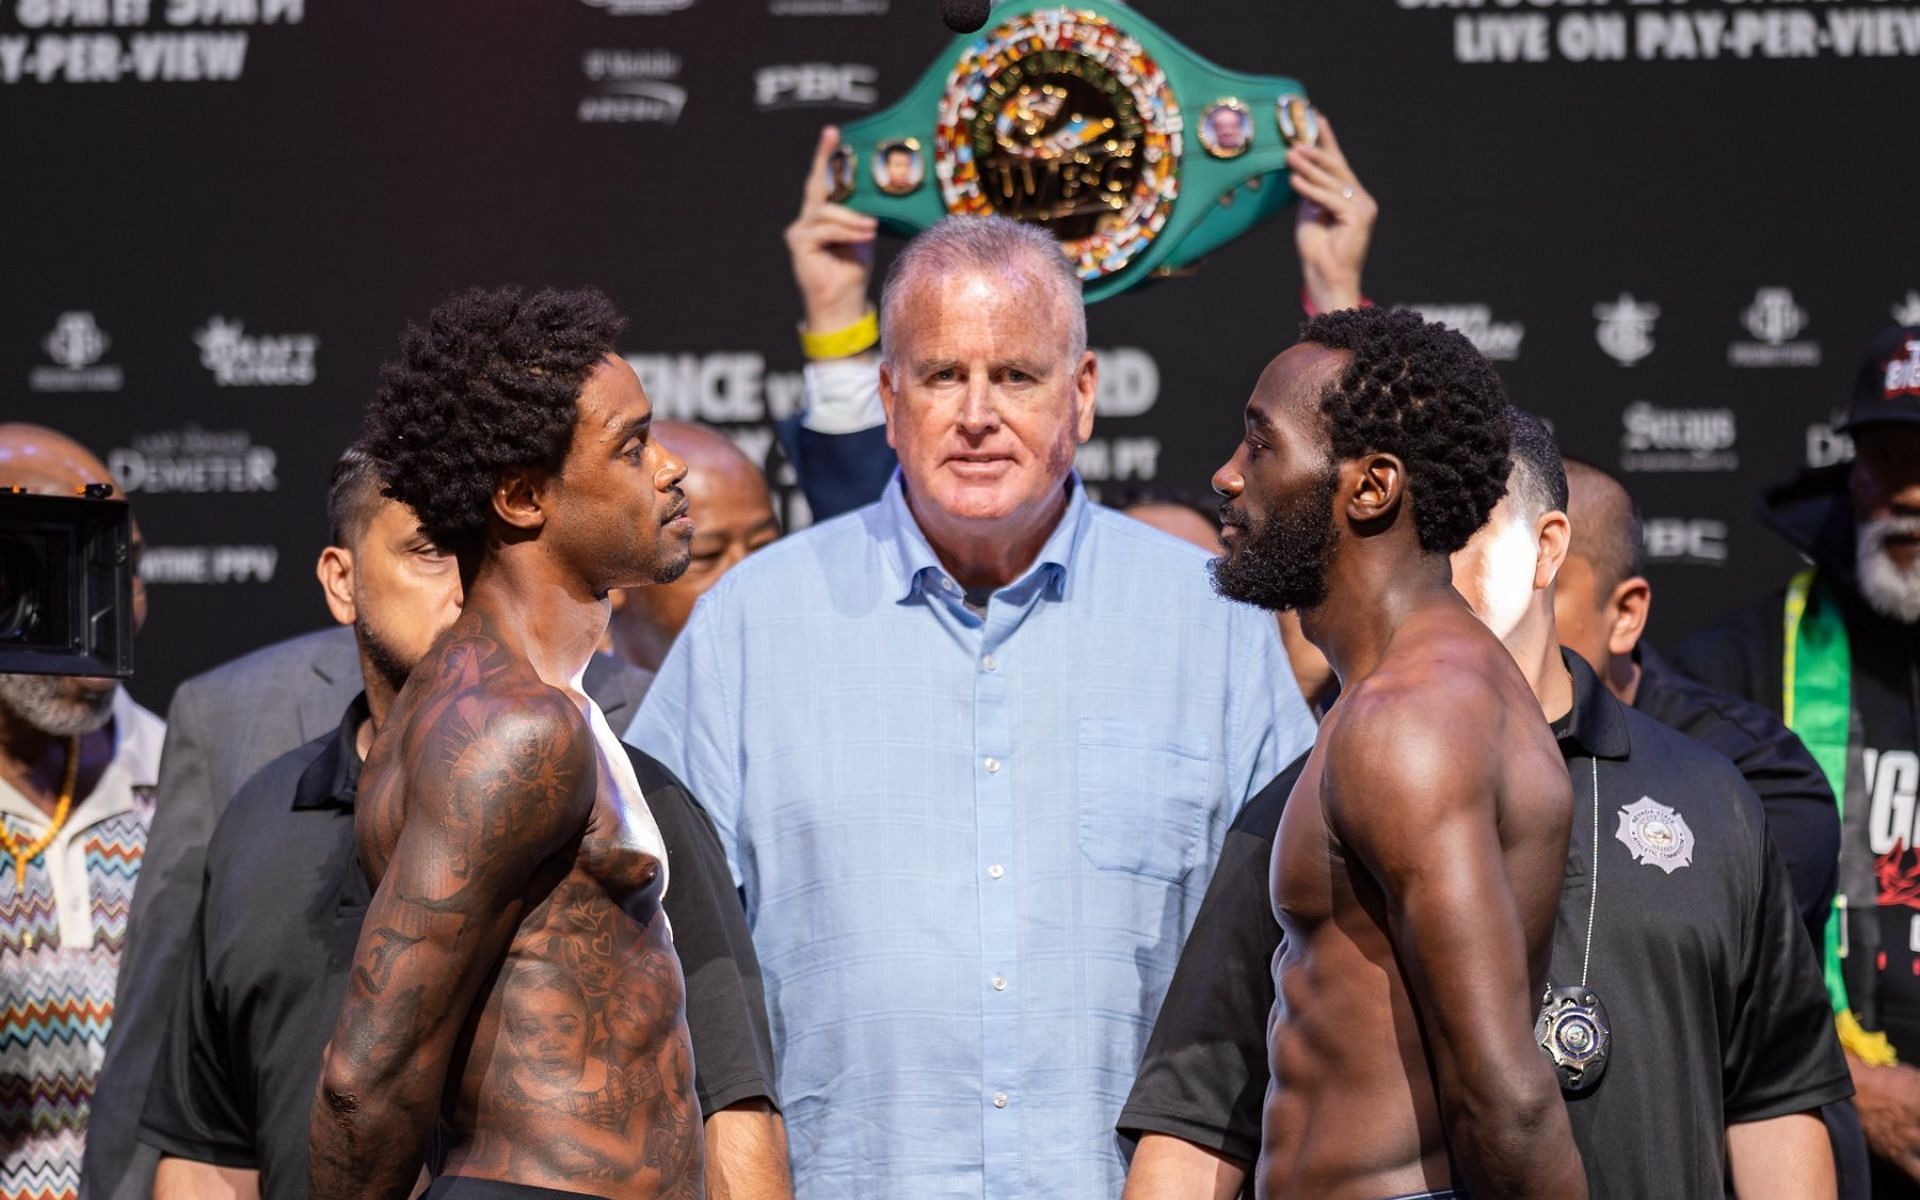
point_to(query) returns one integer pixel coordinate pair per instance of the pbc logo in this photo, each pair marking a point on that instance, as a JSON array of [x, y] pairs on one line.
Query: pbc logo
[[816, 85], [1695, 542], [1626, 328]]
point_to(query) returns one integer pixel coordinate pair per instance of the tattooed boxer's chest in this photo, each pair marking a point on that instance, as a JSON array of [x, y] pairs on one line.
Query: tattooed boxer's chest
[[620, 859]]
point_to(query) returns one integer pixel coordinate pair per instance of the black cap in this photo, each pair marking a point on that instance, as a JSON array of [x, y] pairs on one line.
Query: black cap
[[1887, 390]]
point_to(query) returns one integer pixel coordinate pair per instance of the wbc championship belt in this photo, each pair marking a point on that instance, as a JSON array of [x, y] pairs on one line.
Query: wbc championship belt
[[1088, 119]]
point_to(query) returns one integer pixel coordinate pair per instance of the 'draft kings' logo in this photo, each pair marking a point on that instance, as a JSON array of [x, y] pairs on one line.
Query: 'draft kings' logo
[[1061, 119]]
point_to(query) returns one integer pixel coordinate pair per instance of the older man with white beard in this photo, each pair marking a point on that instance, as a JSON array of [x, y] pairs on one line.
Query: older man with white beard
[[1837, 656], [78, 763]]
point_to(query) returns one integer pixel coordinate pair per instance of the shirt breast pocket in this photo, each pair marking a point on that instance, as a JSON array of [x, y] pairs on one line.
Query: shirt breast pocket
[[1143, 797]]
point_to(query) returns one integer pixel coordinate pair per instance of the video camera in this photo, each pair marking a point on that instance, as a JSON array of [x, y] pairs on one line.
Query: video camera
[[66, 583]]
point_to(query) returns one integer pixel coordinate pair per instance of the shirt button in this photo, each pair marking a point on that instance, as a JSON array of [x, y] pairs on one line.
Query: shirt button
[[999, 1099], [990, 663], [999, 983], [993, 766], [996, 871]]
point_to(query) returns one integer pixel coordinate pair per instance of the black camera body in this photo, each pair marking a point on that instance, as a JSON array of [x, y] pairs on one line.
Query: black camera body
[[66, 584]]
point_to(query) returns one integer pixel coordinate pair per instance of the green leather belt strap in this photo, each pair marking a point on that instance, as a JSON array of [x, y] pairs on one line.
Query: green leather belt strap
[[1090, 119], [1817, 702]]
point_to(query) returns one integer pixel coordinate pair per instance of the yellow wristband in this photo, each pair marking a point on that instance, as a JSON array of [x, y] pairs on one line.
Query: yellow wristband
[[856, 338], [1871, 1048]]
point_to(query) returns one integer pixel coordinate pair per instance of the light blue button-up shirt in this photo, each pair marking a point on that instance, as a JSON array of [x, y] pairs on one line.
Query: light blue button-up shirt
[[970, 848]]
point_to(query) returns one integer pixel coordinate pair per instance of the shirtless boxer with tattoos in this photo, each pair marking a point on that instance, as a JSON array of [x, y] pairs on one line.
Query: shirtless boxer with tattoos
[[515, 983], [1417, 867]]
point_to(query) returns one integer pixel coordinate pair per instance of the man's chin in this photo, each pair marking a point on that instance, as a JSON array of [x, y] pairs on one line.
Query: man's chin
[[60, 706], [673, 565]]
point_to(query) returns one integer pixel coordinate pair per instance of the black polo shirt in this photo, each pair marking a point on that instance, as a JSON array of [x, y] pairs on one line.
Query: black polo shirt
[[1793, 791], [281, 914], [1714, 994]]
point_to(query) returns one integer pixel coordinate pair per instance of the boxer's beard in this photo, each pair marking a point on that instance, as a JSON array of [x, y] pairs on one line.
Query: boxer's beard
[[1281, 563], [392, 668], [49, 704], [1891, 591]]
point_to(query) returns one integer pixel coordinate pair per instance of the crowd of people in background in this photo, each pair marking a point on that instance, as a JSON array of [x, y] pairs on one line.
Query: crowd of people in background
[[981, 830]]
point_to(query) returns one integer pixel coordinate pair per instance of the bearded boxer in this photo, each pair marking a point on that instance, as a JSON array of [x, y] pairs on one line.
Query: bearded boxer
[[518, 872], [1417, 866]]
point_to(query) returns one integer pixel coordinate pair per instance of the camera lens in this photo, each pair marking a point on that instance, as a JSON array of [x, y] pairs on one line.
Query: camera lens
[[19, 589]]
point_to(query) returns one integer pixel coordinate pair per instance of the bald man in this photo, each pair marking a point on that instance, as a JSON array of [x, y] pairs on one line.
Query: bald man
[[1601, 604], [78, 763], [733, 516]]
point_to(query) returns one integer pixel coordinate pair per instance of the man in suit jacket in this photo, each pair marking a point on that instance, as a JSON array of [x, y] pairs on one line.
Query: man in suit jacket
[[228, 723]]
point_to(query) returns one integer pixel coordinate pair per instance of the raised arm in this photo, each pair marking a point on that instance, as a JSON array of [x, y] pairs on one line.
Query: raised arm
[[1411, 791], [497, 782]]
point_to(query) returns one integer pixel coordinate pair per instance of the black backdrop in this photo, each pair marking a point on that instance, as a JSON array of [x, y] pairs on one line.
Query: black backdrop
[[219, 213]]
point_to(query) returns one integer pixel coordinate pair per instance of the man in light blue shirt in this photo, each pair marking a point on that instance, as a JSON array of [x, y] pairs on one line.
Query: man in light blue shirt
[[972, 750]]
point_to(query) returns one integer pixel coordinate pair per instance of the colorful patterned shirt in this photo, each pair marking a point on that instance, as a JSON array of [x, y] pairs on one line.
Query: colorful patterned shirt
[[60, 941]]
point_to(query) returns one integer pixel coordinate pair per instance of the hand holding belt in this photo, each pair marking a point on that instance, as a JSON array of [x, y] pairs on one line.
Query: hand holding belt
[[1141, 156]]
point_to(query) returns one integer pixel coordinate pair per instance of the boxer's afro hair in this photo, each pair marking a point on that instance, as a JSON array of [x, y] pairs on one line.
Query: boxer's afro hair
[[1421, 392], [490, 383]]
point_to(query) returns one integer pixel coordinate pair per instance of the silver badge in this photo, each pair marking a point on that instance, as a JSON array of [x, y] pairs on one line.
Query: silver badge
[[1656, 834]]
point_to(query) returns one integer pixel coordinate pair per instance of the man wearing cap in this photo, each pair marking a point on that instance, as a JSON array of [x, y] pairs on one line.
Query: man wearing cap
[[1837, 655]]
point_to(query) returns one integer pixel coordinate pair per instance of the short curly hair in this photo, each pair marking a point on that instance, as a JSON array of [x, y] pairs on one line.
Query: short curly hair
[[1421, 392], [490, 383]]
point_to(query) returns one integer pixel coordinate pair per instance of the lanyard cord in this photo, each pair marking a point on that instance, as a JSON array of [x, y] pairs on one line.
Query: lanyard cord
[[1593, 880]]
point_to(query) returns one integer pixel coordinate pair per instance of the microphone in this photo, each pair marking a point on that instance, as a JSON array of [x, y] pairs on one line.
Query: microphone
[[964, 16]]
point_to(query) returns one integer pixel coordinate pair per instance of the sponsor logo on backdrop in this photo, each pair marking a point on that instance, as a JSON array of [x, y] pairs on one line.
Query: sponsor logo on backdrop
[[639, 8], [1696, 541], [76, 346], [734, 391], [1677, 439], [209, 564], [194, 460], [1570, 32], [735, 387], [816, 85], [1907, 312], [136, 41], [631, 86], [240, 359], [1498, 340], [1827, 443], [827, 8], [1626, 328], [1775, 321]]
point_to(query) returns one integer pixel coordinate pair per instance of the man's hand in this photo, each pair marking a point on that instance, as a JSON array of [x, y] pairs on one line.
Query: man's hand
[[1335, 224], [831, 247], [1889, 1102]]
